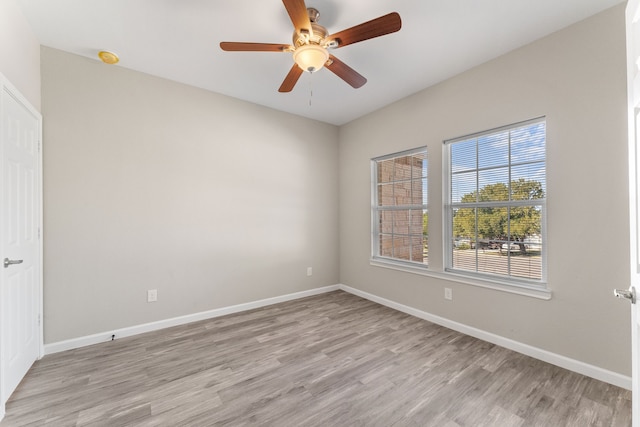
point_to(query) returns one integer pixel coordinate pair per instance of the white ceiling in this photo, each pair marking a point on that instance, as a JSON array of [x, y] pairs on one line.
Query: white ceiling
[[179, 40]]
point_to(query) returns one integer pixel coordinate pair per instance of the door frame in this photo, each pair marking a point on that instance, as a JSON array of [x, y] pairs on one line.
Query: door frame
[[7, 89], [632, 16]]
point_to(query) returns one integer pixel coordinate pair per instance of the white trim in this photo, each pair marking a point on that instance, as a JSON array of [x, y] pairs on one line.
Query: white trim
[[544, 355], [167, 323]]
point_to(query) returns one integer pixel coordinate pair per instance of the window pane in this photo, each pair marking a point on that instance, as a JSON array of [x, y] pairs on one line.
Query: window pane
[[463, 156], [523, 250], [464, 226], [494, 185], [493, 223], [403, 168], [416, 248], [402, 193], [422, 159], [525, 222], [401, 248], [385, 170], [425, 222], [425, 236], [419, 191], [386, 245], [526, 266], [493, 150], [492, 262], [385, 195], [386, 222], [463, 187], [528, 181], [425, 249], [401, 222], [528, 143], [464, 257], [416, 222]]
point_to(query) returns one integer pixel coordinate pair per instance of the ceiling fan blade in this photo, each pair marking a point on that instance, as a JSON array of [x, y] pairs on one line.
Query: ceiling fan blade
[[367, 30], [297, 11], [345, 72], [253, 47], [292, 78]]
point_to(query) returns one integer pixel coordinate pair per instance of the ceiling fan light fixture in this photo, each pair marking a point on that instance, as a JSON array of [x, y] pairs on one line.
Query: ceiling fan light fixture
[[310, 57]]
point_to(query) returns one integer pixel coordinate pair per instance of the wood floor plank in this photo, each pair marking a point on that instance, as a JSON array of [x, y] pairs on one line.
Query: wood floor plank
[[329, 360]]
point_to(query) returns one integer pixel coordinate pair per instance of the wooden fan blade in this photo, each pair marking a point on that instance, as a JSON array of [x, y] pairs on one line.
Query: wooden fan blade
[[253, 47], [292, 78], [345, 72], [297, 11], [375, 28]]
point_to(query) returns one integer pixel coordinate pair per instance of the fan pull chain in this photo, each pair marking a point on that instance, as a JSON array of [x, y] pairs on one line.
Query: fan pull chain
[[310, 88]]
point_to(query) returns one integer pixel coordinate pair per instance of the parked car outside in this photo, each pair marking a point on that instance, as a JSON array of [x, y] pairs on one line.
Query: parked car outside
[[510, 247]]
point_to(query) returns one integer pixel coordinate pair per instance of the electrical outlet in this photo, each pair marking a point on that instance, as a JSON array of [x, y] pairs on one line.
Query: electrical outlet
[[309, 271], [152, 295], [448, 294]]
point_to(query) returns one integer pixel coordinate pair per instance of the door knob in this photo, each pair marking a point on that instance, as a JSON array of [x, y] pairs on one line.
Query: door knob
[[8, 262], [626, 294]]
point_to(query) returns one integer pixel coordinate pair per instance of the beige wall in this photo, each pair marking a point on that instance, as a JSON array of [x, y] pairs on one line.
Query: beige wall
[[150, 184], [19, 52], [576, 78]]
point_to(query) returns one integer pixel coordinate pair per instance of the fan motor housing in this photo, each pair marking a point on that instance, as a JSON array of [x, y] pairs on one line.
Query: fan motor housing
[[318, 31]]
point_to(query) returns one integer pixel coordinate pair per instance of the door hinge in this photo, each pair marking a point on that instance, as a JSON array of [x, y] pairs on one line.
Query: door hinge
[[38, 232], [38, 319], [38, 146]]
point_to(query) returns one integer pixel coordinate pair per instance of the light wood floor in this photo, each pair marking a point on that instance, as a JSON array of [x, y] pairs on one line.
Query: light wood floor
[[328, 360]]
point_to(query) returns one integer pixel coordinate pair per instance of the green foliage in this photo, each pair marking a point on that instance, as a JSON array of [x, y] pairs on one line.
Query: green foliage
[[493, 221], [425, 224]]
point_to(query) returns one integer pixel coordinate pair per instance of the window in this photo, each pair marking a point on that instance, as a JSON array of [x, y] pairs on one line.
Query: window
[[495, 203], [399, 211]]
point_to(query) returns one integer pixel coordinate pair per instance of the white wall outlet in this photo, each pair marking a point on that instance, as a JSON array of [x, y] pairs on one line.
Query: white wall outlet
[[152, 295], [309, 271], [448, 294]]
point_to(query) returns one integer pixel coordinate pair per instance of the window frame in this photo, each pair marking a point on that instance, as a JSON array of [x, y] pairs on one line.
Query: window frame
[[376, 257], [449, 207]]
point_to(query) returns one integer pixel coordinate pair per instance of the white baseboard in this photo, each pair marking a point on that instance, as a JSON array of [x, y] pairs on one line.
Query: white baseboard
[[544, 355], [167, 323]]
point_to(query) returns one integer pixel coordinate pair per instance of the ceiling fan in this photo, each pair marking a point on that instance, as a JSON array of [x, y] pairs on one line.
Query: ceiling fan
[[311, 44]]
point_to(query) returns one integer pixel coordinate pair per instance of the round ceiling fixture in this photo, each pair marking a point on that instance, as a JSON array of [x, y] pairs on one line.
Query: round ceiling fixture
[[108, 57], [310, 57]]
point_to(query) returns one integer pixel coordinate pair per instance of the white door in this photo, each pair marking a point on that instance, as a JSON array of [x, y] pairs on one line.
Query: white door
[[20, 249], [633, 84]]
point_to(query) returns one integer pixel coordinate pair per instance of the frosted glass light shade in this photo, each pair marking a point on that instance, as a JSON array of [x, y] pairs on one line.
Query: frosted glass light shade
[[310, 57]]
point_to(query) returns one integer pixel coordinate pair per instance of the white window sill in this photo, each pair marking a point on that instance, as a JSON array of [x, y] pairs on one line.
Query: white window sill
[[513, 288]]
